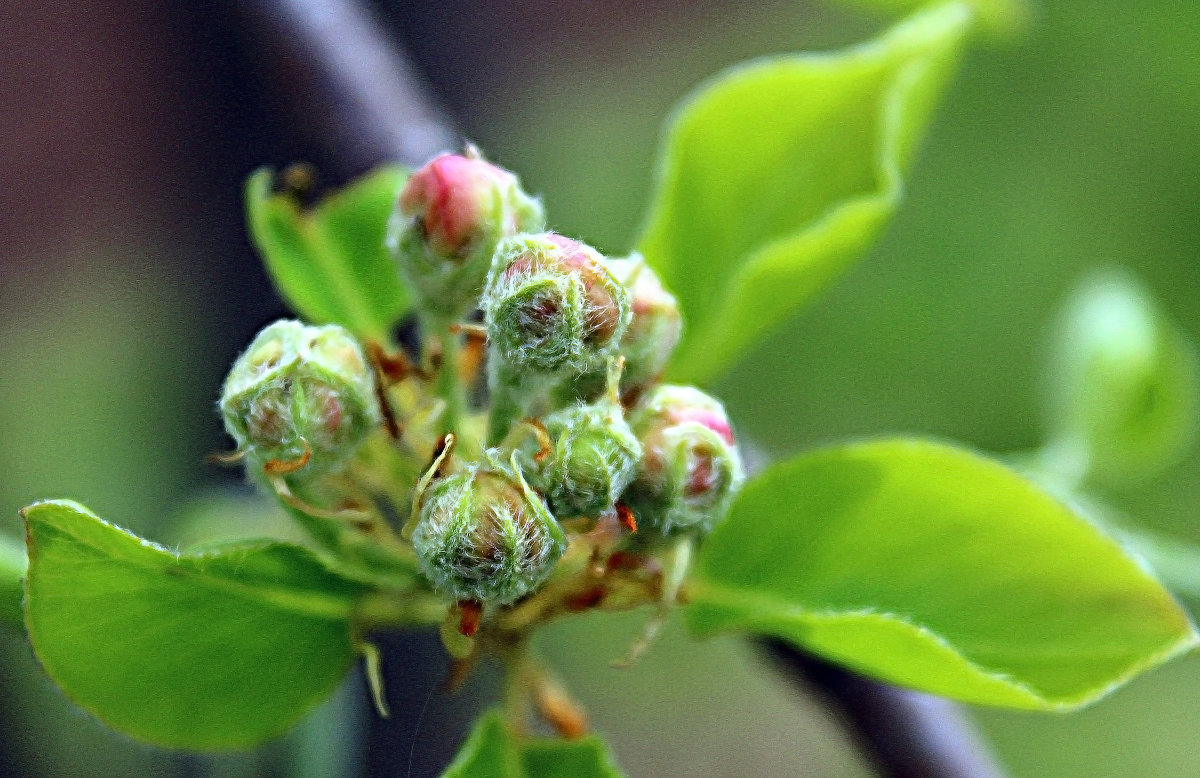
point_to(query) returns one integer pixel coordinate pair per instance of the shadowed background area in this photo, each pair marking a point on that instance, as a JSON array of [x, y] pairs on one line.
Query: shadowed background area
[[128, 287]]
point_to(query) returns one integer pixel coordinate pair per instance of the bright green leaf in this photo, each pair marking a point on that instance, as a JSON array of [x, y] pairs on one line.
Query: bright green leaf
[[329, 262], [931, 567], [780, 173], [1123, 385], [204, 651], [492, 752]]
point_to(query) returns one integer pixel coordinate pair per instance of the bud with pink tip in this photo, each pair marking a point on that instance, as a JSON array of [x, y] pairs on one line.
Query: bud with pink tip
[[690, 468], [449, 217], [552, 306]]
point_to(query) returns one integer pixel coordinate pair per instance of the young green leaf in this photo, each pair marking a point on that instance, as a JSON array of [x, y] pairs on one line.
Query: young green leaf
[[206, 651], [12, 571], [329, 262], [932, 567], [1123, 386], [778, 174], [492, 752]]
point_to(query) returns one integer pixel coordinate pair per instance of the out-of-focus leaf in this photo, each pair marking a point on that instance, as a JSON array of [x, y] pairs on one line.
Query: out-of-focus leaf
[[12, 570], [586, 757], [931, 567], [491, 752], [1003, 19], [780, 173], [205, 651], [1123, 385], [329, 262]]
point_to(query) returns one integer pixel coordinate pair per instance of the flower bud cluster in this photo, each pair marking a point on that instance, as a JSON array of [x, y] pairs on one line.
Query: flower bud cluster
[[575, 433]]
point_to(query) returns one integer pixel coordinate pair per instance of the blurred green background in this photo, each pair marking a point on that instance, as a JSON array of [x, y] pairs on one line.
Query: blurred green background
[[128, 287]]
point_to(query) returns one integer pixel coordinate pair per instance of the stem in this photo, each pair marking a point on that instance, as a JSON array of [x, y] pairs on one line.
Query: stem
[[505, 391], [449, 383]]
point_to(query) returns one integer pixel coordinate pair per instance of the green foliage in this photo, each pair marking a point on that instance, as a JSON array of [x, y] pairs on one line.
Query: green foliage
[[780, 173], [492, 752], [934, 568], [915, 562], [206, 651], [329, 262], [1122, 382], [999, 18]]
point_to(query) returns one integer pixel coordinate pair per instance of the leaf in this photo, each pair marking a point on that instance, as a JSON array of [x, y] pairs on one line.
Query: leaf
[[780, 173], [1123, 381], [12, 570], [492, 752], [1002, 19], [931, 567], [329, 262], [586, 757], [206, 651], [489, 751]]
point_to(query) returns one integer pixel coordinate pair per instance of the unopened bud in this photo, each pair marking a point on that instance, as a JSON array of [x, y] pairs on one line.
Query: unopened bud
[[654, 330], [300, 398], [690, 468], [449, 217], [484, 535], [551, 305], [594, 457]]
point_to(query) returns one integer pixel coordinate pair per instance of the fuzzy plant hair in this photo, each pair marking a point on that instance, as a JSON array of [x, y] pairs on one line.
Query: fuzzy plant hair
[[300, 394], [594, 457], [690, 468], [484, 535], [551, 306]]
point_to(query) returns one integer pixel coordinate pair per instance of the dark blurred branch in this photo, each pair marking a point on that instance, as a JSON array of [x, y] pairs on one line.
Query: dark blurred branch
[[904, 734], [344, 74], [358, 87]]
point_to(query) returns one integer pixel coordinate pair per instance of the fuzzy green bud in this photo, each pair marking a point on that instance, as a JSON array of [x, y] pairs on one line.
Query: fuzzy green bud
[[594, 457], [300, 397], [448, 219], [551, 305], [690, 468], [484, 535]]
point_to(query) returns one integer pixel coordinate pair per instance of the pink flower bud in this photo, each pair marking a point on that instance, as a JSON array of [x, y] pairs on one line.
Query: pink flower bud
[[451, 196], [450, 215], [690, 466]]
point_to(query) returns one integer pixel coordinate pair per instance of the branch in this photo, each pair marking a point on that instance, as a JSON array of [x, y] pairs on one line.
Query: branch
[[905, 734], [345, 74], [358, 85]]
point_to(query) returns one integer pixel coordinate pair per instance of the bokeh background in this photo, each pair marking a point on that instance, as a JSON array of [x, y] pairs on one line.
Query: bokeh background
[[127, 287]]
